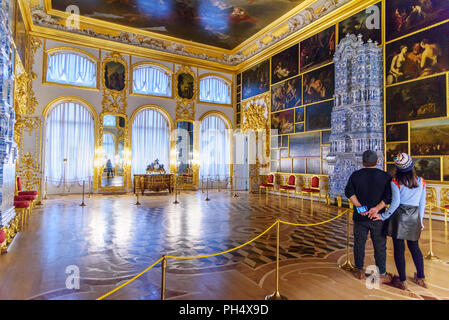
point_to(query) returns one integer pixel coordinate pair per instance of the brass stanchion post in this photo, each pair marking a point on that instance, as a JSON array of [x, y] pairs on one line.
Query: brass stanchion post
[[207, 189], [82, 203], [430, 255], [235, 187], [137, 199], [347, 265], [39, 192], [218, 176], [45, 188], [176, 192], [445, 225], [164, 270], [276, 295]]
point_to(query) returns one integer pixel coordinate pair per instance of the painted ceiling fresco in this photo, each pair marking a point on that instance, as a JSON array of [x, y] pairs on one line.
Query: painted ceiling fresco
[[220, 23]]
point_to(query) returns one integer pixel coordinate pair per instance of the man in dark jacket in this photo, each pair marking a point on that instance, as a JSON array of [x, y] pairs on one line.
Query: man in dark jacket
[[369, 187]]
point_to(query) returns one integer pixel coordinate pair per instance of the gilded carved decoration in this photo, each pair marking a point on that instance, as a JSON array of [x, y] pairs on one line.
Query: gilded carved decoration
[[28, 169], [23, 124], [114, 101]]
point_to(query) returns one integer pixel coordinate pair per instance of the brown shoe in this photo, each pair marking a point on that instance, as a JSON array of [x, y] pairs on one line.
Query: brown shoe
[[399, 284], [419, 281], [386, 278], [359, 274]]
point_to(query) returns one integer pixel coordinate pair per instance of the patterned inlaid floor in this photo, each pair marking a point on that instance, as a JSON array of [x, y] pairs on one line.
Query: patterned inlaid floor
[[111, 240]]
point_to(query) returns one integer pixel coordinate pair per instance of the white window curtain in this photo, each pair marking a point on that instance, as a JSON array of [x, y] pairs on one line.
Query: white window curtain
[[152, 80], [150, 140], [109, 148], [215, 90], [214, 148], [70, 136], [72, 68]]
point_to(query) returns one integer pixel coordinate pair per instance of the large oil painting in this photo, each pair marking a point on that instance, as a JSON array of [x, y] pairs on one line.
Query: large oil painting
[[420, 55], [318, 49], [114, 76], [286, 94], [299, 114], [224, 23], [285, 64], [367, 22], [397, 132], [283, 122], [256, 80], [430, 138], [405, 16], [428, 168], [422, 99], [305, 145], [186, 85], [319, 85], [318, 116]]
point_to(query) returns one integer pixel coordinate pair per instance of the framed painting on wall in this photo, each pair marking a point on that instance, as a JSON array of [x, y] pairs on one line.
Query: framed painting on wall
[[318, 116], [313, 166], [299, 165], [299, 127], [429, 138], [319, 84], [299, 114], [186, 86], [397, 132], [421, 99], [363, 23], [305, 145], [392, 149], [256, 80], [283, 122], [317, 50], [428, 168], [20, 35], [286, 165], [286, 95], [420, 55], [445, 168], [114, 75], [405, 16], [285, 64]]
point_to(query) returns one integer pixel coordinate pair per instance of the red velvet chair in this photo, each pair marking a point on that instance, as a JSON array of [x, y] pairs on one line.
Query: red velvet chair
[[313, 189], [30, 195], [268, 185], [289, 187]]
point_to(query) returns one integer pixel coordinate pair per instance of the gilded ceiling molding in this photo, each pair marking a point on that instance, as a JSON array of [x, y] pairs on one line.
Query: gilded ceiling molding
[[311, 13]]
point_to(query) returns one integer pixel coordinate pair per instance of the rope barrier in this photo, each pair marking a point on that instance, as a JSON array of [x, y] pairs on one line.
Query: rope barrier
[[219, 253], [130, 280]]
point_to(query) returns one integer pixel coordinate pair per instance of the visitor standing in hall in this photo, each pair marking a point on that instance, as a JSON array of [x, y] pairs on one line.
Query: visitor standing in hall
[[369, 191], [405, 218]]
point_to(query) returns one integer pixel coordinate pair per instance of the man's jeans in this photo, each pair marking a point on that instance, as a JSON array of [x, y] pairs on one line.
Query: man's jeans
[[361, 229]]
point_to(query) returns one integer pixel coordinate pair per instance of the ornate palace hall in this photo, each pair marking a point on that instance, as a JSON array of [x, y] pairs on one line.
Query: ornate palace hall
[[114, 240], [215, 150]]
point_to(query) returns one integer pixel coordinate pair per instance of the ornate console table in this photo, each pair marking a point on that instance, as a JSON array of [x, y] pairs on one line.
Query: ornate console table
[[153, 182]]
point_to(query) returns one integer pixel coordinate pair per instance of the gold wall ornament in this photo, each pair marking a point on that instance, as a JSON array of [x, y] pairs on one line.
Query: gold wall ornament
[[114, 79], [24, 99], [185, 110], [25, 123], [28, 171]]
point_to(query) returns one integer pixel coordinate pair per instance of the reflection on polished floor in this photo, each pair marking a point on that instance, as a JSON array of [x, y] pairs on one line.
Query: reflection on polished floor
[[111, 240]]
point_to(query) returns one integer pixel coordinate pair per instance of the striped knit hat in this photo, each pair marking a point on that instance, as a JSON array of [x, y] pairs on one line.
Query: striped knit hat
[[403, 162]]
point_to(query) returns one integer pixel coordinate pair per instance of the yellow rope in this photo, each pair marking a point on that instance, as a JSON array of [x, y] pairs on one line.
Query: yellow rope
[[314, 224], [129, 281], [220, 253]]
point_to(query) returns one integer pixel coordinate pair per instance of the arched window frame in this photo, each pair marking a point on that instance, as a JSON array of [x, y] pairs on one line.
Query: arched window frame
[[76, 51], [166, 115], [156, 66], [228, 125], [220, 77], [57, 101]]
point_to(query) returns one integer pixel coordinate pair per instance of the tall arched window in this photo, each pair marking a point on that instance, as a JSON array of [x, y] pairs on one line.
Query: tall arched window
[[71, 67], [215, 89], [69, 141], [150, 140], [152, 80], [214, 147]]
